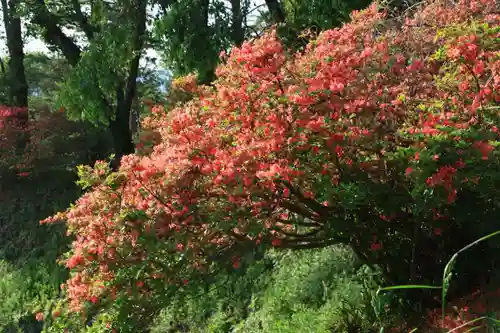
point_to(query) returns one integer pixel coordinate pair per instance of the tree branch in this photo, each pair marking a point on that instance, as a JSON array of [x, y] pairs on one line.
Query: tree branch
[[297, 209], [53, 33], [83, 20], [309, 245], [310, 203], [307, 236], [302, 223]]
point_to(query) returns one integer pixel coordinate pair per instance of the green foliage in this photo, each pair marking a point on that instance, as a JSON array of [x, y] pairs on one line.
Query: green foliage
[[91, 87], [43, 74], [11, 293], [189, 40], [25, 288], [319, 15], [309, 291]]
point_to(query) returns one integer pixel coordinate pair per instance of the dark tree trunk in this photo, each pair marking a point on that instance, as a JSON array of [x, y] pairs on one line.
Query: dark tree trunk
[[276, 10], [17, 77], [207, 71], [120, 126], [237, 29], [2, 67], [120, 131]]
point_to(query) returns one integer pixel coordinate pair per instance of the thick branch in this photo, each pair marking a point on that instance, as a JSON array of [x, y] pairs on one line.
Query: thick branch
[[297, 209], [53, 33], [310, 203], [311, 224], [83, 20], [307, 236]]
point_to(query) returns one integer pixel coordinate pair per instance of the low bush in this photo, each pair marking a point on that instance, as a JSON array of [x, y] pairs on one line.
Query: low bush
[[309, 291]]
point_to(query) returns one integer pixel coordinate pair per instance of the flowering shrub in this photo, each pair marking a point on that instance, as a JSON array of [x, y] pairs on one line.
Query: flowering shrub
[[37, 144], [12, 129], [37, 156], [375, 136], [181, 90], [10, 113]]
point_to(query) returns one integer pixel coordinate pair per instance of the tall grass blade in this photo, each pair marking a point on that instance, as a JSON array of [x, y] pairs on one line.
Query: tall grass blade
[[448, 270]]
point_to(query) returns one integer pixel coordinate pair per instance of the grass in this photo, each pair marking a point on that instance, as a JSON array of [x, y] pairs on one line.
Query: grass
[[487, 321]]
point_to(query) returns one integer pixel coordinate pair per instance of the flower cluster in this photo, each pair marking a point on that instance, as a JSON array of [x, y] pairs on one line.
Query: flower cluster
[[10, 113]]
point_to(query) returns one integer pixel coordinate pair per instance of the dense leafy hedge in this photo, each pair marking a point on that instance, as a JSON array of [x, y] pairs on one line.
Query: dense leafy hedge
[[381, 136]]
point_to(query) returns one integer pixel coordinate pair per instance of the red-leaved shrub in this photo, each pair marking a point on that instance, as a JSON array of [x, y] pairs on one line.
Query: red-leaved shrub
[[380, 136]]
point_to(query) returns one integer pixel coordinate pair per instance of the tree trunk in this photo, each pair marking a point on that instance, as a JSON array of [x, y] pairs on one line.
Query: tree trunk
[[276, 10], [206, 74], [120, 126], [17, 78], [122, 136], [237, 29]]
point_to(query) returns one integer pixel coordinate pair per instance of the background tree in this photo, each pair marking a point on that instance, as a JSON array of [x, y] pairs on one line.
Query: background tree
[[16, 78], [192, 33], [44, 74], [103, 82]]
